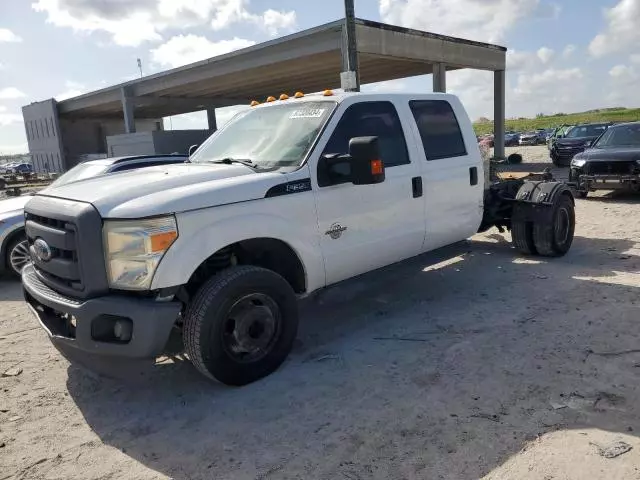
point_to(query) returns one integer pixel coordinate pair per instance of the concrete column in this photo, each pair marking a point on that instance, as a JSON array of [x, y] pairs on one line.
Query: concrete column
[[127, 110], [498, 113], [439, 78], [211, 118], [350, 76]]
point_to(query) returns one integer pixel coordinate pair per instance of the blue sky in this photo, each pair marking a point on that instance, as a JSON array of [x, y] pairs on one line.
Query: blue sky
[[564, 55]]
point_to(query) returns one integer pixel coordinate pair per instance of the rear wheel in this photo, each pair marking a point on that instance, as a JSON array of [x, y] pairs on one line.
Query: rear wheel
[[17, 255], [554, 238], [241, 325]]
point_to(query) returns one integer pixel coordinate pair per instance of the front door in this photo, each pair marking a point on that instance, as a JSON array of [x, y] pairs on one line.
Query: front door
[[363, 227]]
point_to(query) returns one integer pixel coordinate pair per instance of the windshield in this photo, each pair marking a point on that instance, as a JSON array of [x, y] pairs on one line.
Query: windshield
[[269, 137], [580, 131], [621, 136], [80, 172]]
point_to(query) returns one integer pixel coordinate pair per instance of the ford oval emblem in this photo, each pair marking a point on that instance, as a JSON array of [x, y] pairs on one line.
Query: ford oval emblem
[[42, 250]]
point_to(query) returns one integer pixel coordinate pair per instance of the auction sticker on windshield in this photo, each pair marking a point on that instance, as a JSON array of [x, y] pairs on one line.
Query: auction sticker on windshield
[[308, 113]]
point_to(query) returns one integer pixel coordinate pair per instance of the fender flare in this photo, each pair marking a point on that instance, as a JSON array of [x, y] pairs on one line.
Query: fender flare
[[535, 199]]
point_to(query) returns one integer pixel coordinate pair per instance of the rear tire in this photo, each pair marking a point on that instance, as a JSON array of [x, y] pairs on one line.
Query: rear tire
[[553, 239], [241, 325], [522, 237]]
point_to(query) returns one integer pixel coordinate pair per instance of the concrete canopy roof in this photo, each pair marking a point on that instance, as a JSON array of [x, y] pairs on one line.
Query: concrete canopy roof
[[308, 61]]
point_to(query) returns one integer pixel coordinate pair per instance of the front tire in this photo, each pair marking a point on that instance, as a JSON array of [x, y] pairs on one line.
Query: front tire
[[17, 255], [241, 325]]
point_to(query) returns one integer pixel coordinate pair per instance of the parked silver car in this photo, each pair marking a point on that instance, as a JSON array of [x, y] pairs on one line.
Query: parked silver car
[[14, 251]]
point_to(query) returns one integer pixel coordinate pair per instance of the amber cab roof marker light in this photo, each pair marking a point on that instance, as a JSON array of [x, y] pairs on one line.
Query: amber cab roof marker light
[[299, 95], [271, 99], [284, 96], [254, 103]]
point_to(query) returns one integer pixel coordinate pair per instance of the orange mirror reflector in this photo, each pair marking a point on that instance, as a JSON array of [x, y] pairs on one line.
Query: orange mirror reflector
[[376, 167]]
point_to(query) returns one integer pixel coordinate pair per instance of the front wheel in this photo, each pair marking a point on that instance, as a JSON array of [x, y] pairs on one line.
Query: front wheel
[[241, 325], [17, 255]]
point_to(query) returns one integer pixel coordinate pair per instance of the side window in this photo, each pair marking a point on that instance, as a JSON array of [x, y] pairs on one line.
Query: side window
[[439, 129], [365, 119]]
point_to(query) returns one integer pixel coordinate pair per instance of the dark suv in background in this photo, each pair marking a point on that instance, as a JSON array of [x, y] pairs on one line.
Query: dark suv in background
[[575, 141]]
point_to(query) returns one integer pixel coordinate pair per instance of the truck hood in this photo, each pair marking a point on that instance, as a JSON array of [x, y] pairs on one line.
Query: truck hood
[[167, 189], [612, 154], [14, 204]]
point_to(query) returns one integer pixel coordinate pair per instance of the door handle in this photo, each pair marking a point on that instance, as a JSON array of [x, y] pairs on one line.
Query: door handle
[[416, 186], [473, 175]]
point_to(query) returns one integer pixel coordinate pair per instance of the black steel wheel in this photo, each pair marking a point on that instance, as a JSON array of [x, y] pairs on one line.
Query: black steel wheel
[[17, 255], [241, 324], [554, 238]]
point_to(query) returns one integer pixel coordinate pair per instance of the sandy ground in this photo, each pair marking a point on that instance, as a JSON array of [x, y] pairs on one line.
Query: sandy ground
[[472, 362]]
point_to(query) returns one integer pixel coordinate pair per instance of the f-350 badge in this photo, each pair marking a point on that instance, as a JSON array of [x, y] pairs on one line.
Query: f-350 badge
[[335, 231]]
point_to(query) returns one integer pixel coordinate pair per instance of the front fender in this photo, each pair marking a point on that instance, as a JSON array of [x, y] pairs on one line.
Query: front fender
[[199, 239]]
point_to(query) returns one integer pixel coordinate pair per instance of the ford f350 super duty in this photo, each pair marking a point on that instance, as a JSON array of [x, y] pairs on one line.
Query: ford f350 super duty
[[290, 196]]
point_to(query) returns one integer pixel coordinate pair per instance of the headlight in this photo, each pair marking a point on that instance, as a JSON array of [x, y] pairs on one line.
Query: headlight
[[134, 248], [578, 162]]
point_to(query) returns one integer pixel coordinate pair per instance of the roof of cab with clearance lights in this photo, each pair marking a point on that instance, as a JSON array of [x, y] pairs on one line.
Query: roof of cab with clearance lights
[[307, 61]]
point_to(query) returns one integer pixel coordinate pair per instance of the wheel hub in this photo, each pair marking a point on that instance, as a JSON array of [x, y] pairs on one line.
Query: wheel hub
[[251, 327]]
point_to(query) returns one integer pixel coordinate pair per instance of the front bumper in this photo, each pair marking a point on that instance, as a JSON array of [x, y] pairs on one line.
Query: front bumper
[[609, 182], [151, 321]]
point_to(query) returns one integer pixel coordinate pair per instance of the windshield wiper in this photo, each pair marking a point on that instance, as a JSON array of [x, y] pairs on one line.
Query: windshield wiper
[[229, 161]]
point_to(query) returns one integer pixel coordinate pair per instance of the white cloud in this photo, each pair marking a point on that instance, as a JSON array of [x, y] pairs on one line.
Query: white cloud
[[545, 54], [72, 89], [275, 21], [621, 71], [568, 51], [11, 93], [132, 22], [184, 49], [486, 21], [634, 58], [8, 118], [13, 149], [7, 35], [621, 32]]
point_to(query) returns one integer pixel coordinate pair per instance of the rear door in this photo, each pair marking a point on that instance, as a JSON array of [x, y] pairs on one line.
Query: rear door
[[452, 171]]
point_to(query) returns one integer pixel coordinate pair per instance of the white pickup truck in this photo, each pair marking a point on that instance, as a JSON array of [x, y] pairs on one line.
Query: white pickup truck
[[290, 196]]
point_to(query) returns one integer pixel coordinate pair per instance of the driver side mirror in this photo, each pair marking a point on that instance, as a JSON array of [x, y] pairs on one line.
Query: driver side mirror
[[361, 166], [193, 148], [367, 168]]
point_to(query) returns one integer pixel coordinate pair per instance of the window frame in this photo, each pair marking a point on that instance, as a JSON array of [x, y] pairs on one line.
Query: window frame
[[422, 142], [323, 179]]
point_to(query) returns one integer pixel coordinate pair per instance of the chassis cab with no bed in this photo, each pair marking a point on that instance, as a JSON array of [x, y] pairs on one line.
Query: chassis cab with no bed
[[288, 197]]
